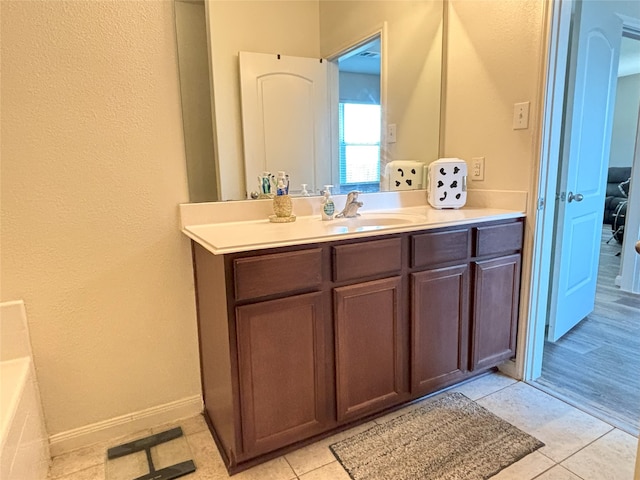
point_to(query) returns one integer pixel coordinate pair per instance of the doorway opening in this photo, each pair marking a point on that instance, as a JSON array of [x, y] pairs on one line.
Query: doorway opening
[[358, 75], [585, 344]]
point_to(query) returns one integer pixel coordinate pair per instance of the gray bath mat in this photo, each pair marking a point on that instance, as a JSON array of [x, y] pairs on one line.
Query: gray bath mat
[[449, 438]]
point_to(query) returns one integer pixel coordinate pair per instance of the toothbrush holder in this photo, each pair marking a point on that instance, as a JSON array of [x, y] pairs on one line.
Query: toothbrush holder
[[283, 208]]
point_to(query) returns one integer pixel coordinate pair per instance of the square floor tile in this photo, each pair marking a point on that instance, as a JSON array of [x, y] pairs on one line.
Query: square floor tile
[[318, 454], [485, 385], [332, 471], [612, 456], [563, 428], [170, 453], [558, 473], [127, 467], [83, 458], [210, 466], [96, 472], [136, 464], [78, 460], [277, 469], [526, 468]]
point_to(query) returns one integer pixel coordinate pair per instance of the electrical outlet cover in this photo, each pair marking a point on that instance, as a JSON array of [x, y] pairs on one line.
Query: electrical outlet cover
[[403, 175], [447, 183]]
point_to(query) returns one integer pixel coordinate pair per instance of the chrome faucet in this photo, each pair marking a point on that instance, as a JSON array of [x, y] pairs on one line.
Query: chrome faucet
[[350, 209]]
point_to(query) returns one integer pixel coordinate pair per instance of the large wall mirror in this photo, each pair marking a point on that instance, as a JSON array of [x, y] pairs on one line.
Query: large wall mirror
[[405, 34]]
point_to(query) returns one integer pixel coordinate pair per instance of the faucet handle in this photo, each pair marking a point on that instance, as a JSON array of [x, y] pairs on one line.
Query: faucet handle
[[352, 196], [351, 206]]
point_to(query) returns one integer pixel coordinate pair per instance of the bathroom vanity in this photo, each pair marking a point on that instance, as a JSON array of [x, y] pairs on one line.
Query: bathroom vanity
[[303, 339]]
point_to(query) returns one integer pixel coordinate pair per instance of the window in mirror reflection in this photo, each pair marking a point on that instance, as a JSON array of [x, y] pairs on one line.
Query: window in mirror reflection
[[359, 117], [359, 127]]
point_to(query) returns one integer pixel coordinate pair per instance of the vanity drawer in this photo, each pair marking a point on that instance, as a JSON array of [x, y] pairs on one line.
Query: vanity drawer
[[366, 259], [494, 239], [440, 247], [277, 273]]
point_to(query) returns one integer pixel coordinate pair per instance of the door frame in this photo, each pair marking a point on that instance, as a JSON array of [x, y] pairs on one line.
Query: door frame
[[592, 76], [550, 153], [629, 276], [380, 31], [559, 30]]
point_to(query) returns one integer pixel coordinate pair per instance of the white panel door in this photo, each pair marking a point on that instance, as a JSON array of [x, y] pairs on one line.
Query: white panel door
[[285, 119], [590, 116]]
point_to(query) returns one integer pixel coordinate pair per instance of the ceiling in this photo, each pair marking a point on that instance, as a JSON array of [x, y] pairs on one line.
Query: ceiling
[[364, 59], [629, 57]]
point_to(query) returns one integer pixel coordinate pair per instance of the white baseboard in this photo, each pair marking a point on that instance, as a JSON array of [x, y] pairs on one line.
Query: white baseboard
[[510, 369], [124, 425]]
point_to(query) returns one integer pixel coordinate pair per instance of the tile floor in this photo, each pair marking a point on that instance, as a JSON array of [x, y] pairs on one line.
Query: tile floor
[[577, 445]]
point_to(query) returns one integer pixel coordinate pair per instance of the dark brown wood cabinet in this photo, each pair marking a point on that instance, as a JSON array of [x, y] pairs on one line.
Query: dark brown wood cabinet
[[495, 310], [369, 339], [281, 366], [440, 326], [352, 329]]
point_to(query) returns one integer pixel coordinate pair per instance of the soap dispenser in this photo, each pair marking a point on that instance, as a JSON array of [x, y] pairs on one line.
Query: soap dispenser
[[328, 207]]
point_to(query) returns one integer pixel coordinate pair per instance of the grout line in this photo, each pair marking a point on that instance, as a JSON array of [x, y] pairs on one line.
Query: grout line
[[295, 474], [585, 446], [515, 382], [545, 471], [76, 472], [542, 453], [322, 466], [559, 396], [561, 466]]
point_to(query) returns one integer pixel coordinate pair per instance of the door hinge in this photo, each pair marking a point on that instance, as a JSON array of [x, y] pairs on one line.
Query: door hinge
[[540, 203]]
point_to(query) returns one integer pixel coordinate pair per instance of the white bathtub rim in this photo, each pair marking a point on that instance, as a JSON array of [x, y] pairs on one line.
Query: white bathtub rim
[[12, 393]]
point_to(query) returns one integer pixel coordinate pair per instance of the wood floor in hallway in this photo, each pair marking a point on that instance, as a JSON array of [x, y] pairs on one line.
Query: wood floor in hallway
[[596, 365]]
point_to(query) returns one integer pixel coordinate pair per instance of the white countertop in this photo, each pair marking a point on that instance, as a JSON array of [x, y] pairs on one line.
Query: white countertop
[[230, 237]]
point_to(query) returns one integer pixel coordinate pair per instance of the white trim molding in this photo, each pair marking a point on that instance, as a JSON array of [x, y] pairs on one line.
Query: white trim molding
[[131, 423], [557, 27]]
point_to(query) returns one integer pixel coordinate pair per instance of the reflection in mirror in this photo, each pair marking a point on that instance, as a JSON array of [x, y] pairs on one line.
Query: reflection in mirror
[[193, 64], [285, 119], [410, 63], [359, 119]]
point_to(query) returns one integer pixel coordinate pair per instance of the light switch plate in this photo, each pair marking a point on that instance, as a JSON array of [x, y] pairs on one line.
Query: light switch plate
[[520, 115], [391, 133]]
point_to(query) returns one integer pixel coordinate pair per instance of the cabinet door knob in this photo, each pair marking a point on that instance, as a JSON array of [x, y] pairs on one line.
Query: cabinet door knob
[[577, 197]]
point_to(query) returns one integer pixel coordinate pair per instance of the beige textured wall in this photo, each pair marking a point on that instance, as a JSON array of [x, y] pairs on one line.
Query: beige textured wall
[[285, 27], [92, 172], [625, 121], [494, 60]]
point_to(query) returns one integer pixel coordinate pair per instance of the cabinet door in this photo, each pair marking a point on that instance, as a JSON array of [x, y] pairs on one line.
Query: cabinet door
[[439, 327], [370, 357], [495, 311], [283, 371]]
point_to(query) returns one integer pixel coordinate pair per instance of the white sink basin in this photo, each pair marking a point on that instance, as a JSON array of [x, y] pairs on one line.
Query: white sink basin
[[371, 221]]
